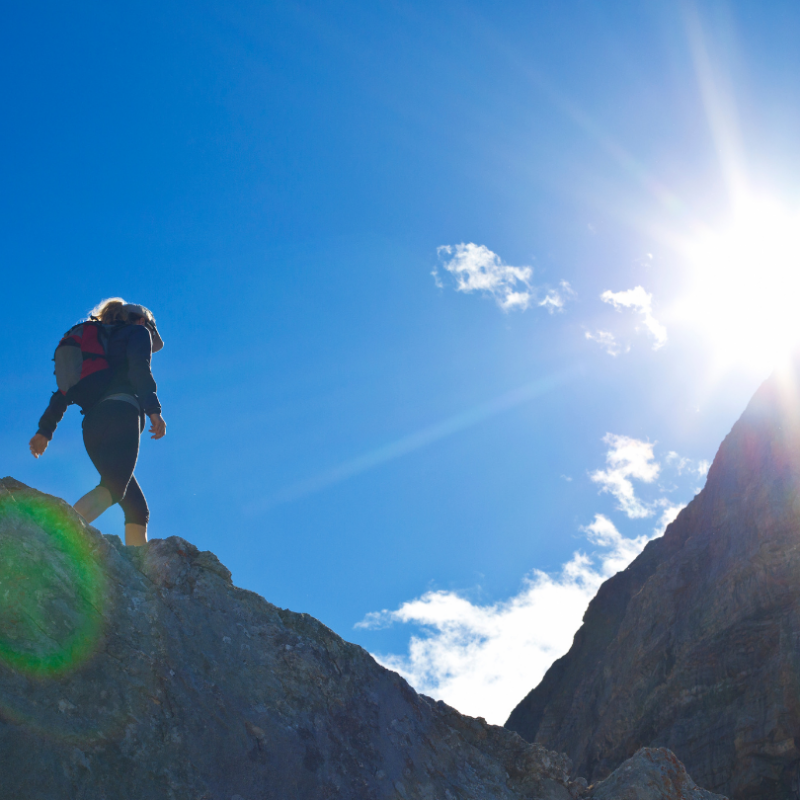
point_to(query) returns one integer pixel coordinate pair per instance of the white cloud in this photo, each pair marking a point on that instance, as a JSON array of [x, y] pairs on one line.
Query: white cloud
[[554, 299], [687, 465], [477, 269], [668, 516], [483, 659], [621, 551], [627, 458], [608, 341], [642, 302], [678, 462]]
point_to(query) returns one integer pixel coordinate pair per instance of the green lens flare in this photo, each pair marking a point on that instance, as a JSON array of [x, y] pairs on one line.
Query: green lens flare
[[52, 588]]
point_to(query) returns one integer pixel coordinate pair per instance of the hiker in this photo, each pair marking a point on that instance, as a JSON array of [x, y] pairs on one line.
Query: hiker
[[115, 390]]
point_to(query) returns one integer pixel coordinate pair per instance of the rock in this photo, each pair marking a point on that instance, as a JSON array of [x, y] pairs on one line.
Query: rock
[[145, 673], [652, 774], [696, 645]]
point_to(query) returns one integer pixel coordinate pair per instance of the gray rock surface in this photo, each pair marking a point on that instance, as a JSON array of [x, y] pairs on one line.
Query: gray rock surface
[[696, 645], [143, 673], [652, 774]]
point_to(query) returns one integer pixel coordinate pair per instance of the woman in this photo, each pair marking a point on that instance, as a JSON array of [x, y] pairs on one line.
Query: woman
[[114, 412]]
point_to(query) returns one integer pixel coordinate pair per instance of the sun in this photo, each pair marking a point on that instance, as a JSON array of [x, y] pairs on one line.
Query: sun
[[744, 292]]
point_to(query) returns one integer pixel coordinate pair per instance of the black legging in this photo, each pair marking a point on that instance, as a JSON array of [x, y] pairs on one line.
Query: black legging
[[111, 431]]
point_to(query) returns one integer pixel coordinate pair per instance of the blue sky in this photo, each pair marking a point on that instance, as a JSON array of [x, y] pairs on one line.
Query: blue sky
[[287, 185]]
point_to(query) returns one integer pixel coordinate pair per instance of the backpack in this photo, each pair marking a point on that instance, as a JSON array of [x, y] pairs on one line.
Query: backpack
[[82, 351]]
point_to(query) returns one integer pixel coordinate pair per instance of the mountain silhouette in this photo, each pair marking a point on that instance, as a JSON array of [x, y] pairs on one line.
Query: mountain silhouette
[[696, 645]]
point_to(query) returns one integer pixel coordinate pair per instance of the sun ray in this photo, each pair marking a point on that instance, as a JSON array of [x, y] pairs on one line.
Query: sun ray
[[745, 285]]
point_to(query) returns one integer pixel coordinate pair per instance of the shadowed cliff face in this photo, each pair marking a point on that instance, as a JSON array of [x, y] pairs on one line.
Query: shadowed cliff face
[[144, 673], [696, 645]]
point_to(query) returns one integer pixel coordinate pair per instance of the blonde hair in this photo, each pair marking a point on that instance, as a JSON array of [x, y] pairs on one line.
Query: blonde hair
[[115, 309], [109, 311]]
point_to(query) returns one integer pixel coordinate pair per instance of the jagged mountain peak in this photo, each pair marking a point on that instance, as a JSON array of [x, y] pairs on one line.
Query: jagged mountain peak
[[696, 645]]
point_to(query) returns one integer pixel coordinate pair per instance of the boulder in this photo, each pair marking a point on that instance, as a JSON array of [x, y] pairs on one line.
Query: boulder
[[654, 773]]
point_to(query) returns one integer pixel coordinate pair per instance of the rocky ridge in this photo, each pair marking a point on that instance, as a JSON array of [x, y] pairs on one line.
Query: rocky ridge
[[145, 673], [696, 645]]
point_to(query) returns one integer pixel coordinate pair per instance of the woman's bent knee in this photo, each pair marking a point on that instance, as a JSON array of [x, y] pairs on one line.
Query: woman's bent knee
[[115, 489]]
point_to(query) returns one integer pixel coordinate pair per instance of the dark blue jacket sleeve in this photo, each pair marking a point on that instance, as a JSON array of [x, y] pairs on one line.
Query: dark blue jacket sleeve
[[52, 415], [140, 347]]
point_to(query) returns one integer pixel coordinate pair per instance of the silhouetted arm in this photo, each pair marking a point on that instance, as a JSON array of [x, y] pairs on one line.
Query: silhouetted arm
[[139, 349], [52, 415]]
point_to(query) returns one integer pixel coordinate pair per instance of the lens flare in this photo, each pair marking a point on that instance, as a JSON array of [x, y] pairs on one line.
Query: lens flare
[[52, 588], [745, 287]]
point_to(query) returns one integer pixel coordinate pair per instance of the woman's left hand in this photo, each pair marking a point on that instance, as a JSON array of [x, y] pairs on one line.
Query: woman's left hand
[[157, 426]]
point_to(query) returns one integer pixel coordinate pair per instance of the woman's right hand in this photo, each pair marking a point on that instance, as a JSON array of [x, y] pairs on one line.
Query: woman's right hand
[[157, 426], [38, 444]]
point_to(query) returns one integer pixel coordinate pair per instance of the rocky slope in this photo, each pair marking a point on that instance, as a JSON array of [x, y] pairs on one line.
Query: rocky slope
[[651, 774], [144, 673], [696, 645]]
